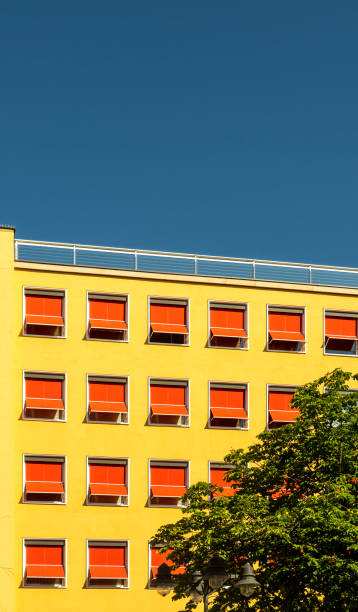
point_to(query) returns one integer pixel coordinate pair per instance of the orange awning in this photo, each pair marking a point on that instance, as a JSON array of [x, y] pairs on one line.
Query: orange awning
[[169, 409], [287, 336], [108, 407], [44, 487], [228, 332], [167, 491], [107, 571], [169, 328], [228, 413], [45, 571], [107, 324], [104, 488], [284, 416], [44, 404], [32, 319], [227, 492], [340, 337]]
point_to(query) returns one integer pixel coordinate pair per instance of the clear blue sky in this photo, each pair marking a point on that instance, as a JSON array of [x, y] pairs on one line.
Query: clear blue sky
[[227, 128]]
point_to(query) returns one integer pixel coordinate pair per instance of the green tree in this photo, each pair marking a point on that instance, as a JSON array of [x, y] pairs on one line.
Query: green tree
[[294, 515]]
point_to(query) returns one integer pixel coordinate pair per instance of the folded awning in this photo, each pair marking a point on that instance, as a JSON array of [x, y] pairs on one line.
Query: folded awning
[[167, 491], [169, 409], [228, 413], [44, 403], [105, 488], [107, 324], [169, 328], [32, 319], [287, 336], [228, 332], [107, 572], [117, 407], [44, 487], [45, 571], [284, 416]]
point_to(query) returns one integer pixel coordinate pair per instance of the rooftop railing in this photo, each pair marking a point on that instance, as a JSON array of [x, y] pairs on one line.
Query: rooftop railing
[[178, 263]]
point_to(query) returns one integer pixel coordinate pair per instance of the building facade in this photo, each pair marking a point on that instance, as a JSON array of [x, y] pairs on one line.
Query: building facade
[[121, 387]]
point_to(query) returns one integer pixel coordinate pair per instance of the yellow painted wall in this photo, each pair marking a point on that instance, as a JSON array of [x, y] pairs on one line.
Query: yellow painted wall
[[76, 439], [7, 423]]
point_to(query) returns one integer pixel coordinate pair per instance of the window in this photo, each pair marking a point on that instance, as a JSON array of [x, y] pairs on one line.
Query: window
[[168, 402], [44, 563], [107, 564], [44, 479], [168, 321], [44, 396], [107, 481], [156, 559], [286, 329], [44, 313], [107, 399], [217, 472], [107, 317], [340, 333], [228, 405], [168, 482], [279, 409], [228, 325]]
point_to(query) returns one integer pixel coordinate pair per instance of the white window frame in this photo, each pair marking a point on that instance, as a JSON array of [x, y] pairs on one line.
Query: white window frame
[[43, 374], [235, 306], [58, 541], [233, 384], [169, 463], [44, 290], [50, 458], [346, 314], [275, 387], [108, 461], [117, 542], [185, 382], [120, 379], [110, 295], [287, 309], [163, 299]]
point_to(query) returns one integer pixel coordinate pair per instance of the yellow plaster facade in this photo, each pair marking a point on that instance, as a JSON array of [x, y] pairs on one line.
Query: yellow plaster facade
[[76, 439]]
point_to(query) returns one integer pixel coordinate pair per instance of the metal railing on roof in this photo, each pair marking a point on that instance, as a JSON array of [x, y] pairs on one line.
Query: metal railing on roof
[[180, 263]]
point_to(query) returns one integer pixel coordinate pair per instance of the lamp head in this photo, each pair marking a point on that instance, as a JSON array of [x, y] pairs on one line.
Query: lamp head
[[216, 574], [164, 580], [247, 583]]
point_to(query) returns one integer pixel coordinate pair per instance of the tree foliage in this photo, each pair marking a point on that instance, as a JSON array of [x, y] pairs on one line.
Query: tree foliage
[[294, 515]]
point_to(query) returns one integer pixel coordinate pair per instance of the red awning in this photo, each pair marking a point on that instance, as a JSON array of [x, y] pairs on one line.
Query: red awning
[[44, 404], [107, 571], [341, 337], [169, 328], [32, 319], [108, 407], [287, 336], [45, 571], [169, 409], [104, 488], [284, 416], [107, 324], [228, 332], [44, 487], [167, 491], [228, 413]]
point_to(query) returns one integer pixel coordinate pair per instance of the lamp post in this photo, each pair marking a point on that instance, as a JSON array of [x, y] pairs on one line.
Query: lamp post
[[203, 585]]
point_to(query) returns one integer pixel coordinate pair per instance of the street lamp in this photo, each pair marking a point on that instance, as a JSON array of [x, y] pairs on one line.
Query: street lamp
[[203, 585]]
